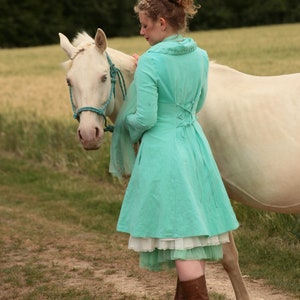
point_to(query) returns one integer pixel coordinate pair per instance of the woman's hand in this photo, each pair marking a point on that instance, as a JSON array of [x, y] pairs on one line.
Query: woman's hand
[[136, 57]]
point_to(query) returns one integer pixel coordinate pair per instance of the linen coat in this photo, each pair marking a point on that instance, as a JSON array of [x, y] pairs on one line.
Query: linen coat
[[175, 189]]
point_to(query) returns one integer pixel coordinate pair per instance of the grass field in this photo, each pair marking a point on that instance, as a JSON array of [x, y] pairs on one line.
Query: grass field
[[59, 205]]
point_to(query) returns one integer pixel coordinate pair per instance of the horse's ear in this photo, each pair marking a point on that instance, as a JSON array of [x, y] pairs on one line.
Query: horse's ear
[[66, 45], [100, 40]]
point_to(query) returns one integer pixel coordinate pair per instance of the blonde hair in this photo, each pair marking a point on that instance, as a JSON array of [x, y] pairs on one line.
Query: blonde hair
[[176, 12]]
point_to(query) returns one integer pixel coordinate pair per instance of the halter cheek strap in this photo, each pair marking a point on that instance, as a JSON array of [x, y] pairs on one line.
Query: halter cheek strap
[[114, 72]]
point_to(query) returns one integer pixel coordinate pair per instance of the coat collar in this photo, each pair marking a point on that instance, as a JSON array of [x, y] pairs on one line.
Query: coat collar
[[174, 45]]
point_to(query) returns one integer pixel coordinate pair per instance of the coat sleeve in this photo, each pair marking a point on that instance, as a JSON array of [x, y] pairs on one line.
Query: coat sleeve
[[145, 116]]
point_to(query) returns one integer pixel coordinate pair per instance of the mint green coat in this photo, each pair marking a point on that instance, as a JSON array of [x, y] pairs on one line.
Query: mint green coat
[[175, 189]]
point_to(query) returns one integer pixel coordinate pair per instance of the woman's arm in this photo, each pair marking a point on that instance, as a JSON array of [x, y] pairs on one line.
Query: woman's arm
[[145, 117]]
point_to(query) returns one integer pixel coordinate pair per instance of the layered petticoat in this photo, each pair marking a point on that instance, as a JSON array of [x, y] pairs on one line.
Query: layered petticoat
[[157, 254]]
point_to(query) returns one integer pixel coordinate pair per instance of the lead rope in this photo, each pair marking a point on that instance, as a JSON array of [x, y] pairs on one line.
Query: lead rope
[[113, 72], [116, 71]]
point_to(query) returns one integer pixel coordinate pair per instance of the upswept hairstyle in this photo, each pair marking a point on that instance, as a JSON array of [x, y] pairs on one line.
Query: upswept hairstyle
[[176, 12]]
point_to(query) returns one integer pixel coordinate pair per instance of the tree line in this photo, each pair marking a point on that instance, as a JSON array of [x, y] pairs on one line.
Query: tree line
[[37, 22]]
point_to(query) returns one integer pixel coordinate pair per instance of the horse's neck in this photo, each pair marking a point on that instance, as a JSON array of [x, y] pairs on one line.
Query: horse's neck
[[127, 65]]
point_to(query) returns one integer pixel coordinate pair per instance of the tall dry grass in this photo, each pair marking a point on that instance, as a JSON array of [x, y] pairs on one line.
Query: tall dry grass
[[32, 79]]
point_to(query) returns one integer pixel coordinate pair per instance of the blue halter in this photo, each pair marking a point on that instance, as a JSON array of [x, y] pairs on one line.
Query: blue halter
[[114, 72]]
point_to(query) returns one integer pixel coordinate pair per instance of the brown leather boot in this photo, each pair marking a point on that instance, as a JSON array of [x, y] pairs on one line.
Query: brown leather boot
[[178, 295], [195, 289]]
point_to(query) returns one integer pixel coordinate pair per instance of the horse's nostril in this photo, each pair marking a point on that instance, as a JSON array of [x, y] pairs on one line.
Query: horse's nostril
[[79, 135], [92, 135], [97, 132]]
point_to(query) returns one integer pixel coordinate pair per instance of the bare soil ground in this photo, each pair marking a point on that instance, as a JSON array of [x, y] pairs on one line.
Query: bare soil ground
[[51, 256]]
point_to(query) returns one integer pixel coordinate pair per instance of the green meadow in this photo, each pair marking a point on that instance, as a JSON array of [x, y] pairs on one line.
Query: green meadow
[[59, 205]]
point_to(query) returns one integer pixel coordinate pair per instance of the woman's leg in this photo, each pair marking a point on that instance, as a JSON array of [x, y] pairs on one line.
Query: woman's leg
[[191, 283], [190, 269]]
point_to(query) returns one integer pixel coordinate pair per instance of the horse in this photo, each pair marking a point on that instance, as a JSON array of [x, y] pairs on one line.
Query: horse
[[250, 122]]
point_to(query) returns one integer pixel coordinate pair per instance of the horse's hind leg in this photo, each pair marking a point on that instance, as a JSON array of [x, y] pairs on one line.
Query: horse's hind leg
[[230, 263]]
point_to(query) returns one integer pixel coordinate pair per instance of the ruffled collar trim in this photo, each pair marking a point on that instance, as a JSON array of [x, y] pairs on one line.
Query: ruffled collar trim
[[174, 45]]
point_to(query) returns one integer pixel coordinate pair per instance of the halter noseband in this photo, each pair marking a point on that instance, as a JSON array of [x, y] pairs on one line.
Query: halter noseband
[[114, 72]]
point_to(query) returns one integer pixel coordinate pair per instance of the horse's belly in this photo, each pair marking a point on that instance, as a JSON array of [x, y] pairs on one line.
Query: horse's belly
[[258, 153]]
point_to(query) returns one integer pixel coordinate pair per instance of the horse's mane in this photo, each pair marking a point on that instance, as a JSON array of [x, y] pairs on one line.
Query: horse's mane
[[82, 38], [82, 41]]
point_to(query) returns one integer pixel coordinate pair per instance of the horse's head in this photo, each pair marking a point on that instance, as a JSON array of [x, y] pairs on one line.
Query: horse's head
[[91, 79]]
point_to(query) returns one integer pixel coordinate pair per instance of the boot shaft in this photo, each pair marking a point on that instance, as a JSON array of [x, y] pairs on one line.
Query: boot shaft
[[195, 289]]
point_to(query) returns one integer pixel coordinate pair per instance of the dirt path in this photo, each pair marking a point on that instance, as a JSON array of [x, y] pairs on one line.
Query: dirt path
[[217, 281], [49, 260]]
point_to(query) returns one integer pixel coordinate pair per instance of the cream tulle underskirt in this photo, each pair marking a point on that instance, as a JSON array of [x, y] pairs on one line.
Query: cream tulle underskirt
[[157, 254]]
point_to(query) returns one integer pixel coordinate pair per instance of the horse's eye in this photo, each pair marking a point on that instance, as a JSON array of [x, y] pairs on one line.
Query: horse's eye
[[104, 78], [69, 82]]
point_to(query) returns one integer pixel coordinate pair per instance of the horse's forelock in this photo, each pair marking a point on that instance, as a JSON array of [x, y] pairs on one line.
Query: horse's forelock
[[82, 37]]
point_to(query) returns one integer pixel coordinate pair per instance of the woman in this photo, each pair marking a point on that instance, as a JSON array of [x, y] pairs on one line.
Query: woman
[[175, 208]]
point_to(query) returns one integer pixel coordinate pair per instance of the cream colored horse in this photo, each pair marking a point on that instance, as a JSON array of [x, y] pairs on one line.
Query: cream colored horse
[[252, 124]]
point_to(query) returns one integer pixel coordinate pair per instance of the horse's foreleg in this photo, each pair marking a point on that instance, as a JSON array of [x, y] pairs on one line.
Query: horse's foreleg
[[230, 263]]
